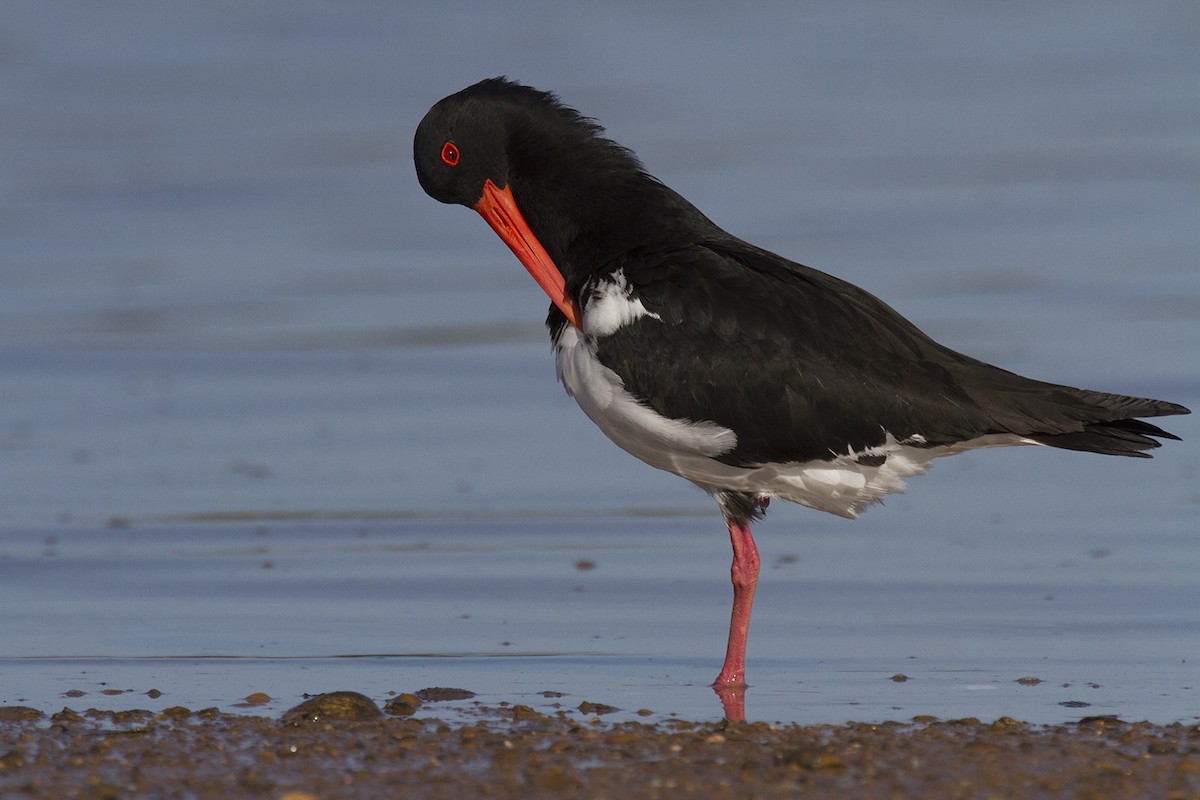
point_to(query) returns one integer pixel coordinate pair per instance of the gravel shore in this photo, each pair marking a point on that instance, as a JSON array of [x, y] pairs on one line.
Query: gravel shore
[[342, 745]]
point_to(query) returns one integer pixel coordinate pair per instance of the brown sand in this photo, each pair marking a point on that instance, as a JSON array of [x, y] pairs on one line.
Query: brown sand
[[344, 746]]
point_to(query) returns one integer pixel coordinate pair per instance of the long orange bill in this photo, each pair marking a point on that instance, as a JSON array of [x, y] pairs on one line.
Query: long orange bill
[[499, 209]]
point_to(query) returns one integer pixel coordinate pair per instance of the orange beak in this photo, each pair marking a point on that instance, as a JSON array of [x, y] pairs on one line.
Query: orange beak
[[499, 209]]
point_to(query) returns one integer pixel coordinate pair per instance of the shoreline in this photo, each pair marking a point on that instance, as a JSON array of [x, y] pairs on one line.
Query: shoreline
[[343, 745]]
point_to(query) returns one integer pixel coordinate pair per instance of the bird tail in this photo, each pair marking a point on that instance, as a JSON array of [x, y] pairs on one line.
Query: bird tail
[[1110, 425]]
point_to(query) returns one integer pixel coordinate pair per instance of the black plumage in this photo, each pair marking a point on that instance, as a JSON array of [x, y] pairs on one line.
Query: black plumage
[[804, 366]]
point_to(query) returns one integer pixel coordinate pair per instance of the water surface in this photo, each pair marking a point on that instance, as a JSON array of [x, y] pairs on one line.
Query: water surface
[[271, 419]]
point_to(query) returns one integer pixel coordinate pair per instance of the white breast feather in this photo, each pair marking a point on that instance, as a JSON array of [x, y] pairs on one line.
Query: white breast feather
[[634, 426], [611, 307]]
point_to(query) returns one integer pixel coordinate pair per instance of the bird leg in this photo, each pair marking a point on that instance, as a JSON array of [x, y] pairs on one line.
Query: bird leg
[[730, 685], [744, 575]]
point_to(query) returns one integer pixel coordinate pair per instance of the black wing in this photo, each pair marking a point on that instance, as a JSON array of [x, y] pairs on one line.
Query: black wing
[[802, 366]]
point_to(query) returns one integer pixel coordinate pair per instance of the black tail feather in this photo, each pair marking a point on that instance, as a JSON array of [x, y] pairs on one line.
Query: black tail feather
[[1119, 437]]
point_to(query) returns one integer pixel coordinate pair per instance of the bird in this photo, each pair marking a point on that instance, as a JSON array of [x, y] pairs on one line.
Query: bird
[[750, 375]]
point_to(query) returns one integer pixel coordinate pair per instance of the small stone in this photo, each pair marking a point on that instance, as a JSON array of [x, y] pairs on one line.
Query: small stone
[[402, 705], [131, 716], [1100, 720], [176, 711], [438, 694], [19, 714], [333, 706], [587, 707], [521, 712], [1007, 725], [66, 715]]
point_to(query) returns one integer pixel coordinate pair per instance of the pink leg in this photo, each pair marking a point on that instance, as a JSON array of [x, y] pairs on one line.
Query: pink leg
[[744, 574]]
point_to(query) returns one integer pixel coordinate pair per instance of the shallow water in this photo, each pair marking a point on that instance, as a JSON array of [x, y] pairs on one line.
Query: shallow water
[[271, 419], [624, 610]]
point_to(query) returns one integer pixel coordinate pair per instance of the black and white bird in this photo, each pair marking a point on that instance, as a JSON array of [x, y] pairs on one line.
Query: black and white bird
[[750, 375]]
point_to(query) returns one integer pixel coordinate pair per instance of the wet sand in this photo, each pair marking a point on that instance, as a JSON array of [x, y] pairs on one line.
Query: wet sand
[[344, 745]]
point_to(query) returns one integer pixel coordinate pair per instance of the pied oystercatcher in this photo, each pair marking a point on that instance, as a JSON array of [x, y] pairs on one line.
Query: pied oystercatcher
[[750, 375]]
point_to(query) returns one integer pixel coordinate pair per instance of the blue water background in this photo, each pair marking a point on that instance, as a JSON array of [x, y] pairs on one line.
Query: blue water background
[[273, 420]]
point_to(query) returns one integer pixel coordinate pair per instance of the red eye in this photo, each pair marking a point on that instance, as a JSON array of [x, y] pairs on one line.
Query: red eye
[[450, 154]]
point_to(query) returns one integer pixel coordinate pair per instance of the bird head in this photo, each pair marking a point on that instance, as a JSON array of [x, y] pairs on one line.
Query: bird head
[[568, 201], [464, 151]]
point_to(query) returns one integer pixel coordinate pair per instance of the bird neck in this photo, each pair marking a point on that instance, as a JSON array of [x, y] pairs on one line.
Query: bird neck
[[589, 201]]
